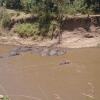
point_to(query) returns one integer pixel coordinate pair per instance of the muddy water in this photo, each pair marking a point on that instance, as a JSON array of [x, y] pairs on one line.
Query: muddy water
[[32, 77]]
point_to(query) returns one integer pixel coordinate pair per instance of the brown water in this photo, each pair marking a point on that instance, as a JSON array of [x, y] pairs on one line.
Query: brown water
[[32, 77]]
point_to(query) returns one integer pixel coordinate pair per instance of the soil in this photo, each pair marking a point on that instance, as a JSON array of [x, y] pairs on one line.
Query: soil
[[74, 39], [78, 31]]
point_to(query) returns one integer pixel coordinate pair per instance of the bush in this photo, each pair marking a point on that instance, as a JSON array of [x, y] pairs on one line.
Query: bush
[[4, 18], [1, 2], [53, 26], [5, 98], [27, 30], [26, 5], [78, 6], [14, 4]]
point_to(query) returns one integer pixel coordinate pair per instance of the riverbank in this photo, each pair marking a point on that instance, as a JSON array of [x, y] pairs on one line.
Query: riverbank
[[74, 39], [78, 31]]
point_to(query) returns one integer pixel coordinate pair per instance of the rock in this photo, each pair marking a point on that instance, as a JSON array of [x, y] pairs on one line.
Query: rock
[[35, 51], [45, 52], [98, 30], [93, 28], [1, 96], [14, 53], [88, 36], [53, 52], [61, 52], [18, 50], [22, 49], [25, 49]]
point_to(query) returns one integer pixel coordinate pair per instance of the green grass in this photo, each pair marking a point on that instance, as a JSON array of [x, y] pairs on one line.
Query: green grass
[[27, 29], [4, 18], [5, 98]]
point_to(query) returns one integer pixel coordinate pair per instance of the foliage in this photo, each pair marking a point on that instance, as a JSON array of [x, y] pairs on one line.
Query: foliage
[[27, 30], [93, 4], [14, 4], [4, 18], [72, 5], [1, 2], [78, 6], [26, 5], [5, 98], [48, 10]]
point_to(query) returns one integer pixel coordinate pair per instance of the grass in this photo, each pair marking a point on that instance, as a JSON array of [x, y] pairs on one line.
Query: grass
[[27, 29], [4, 18], [5, 98]]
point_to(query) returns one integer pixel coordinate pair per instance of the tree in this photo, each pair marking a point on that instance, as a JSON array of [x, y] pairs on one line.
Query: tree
[[15, 4], [94, 4], [60, 15], [48, 11], [1, 2]]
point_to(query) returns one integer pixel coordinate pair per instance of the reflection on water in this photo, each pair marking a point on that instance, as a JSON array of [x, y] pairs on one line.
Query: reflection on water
[[32, 77]]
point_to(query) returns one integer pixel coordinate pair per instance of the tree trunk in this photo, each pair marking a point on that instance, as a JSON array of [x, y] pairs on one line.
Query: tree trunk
[[59, 36]]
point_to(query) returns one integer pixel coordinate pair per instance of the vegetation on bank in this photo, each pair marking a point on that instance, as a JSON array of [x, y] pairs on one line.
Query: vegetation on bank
[[27, 29], [4, 18], [76, 5], [5, 98], [50, 14], [2, 97]]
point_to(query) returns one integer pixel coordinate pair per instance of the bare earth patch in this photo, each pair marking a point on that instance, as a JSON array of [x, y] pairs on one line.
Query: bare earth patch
[[73, 39]]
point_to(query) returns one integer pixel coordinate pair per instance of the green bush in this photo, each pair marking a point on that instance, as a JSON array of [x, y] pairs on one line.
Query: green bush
[[52, 28], [1, 2], [26, 5], [13, 4], [27, 30], [4, 18], [78, 6], [5, 98]]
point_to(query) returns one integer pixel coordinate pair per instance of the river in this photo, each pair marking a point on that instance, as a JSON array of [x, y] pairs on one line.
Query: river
[[34, 77]]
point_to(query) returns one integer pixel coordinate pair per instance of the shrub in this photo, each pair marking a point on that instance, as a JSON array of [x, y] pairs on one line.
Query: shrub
[[78, 6], [26, 5], [70, 9], [52, 29], [1, 2], [5, 98], [14, 4], [4, 18], [27, 30]]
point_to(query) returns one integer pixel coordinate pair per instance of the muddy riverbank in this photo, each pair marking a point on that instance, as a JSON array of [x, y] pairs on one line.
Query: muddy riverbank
[[78, 38], [78, 31]]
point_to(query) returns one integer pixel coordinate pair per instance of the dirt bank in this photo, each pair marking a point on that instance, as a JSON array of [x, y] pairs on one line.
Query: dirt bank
[[75, 39], [78, 31]]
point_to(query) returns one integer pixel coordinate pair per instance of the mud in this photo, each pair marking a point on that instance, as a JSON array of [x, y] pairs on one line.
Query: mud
[[34, 77]]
